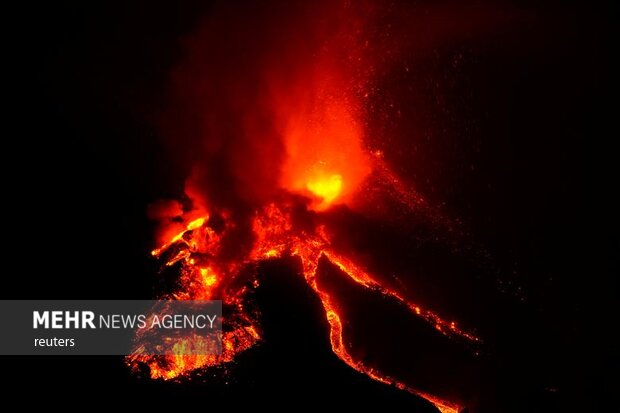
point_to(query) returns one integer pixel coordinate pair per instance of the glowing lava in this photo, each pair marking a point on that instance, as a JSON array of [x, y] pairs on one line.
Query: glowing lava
[[281, 129], [327, 188], [204, 275]]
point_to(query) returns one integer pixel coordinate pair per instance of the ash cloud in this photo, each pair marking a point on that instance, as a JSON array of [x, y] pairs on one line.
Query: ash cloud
[[242, 70], [223, 120]]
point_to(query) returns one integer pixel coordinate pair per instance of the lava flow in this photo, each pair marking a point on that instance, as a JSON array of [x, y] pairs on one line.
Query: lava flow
[[297, 147], [203, 276]]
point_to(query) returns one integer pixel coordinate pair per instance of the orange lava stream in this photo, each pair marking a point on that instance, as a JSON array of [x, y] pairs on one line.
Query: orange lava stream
[[203, 276]]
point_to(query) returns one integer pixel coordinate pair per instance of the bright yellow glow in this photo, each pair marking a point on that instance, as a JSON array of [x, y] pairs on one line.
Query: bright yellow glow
[[271, 253], [208, 277], [327, 188], [197, 223]]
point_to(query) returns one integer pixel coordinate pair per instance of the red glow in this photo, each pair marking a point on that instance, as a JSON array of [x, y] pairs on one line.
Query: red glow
[[203, 276], [299, 133], [324, 155]]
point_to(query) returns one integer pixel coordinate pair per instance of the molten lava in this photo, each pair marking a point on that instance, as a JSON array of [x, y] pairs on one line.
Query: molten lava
[[204, 275], [326, 188], [276, 130]]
